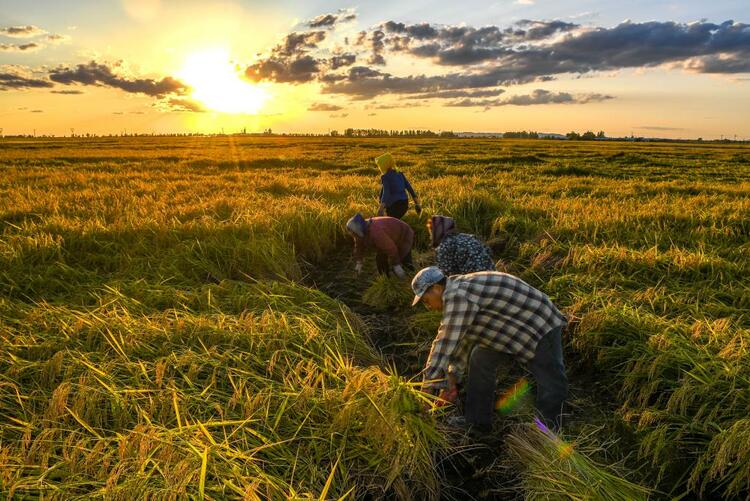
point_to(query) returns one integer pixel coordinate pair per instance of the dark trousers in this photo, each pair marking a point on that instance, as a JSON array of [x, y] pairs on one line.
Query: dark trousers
[[547, 368], [397, 209], [381, 261]]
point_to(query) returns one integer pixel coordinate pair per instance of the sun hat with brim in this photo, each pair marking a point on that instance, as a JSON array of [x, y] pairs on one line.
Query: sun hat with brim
[[357, 225], [426, 278], [385, 162]]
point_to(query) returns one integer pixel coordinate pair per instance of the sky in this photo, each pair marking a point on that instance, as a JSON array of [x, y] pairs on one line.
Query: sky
[[677, 69]]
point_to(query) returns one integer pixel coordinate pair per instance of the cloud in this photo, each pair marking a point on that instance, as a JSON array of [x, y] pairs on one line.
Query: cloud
[[329, 20], [471, 62], [324, 107], [289, 61], [538, 96], [340, 115], [660, 128], [94, 73], [183, 104], [24, 47], [342, 60], [22, 31], [451, 94], [293, 70], [57, 39], [721, 63], [16, 78], [67, 92], [541, 96], [36, 111]]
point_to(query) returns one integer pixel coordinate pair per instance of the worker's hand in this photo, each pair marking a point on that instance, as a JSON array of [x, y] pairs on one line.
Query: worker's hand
[[358, 268], [431, 389], [417, 208], [452, 383], [399, 271], [447, 396]]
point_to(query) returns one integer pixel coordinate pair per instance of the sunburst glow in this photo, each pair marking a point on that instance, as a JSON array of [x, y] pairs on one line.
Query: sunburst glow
[[216, 84]]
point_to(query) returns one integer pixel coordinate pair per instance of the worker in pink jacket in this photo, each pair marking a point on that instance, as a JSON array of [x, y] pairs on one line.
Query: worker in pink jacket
[[391, 238]]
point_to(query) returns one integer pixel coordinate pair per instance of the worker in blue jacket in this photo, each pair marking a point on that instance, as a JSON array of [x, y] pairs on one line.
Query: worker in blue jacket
[[394, 200]]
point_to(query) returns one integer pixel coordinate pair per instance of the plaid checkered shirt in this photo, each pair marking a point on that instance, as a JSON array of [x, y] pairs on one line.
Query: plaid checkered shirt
[[491, 309]]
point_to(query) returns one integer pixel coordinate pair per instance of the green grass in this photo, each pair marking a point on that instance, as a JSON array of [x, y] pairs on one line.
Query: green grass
[[123, 373]]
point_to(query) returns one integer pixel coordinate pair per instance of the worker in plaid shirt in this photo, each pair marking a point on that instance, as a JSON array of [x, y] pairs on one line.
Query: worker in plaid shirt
[[487, 316]]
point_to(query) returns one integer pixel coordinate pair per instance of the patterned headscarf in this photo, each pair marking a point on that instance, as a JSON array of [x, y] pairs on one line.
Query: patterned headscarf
[[357, 225], [441, 226]]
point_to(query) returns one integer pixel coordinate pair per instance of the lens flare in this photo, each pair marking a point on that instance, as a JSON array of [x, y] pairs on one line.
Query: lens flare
[[511, 398], [564, 449]]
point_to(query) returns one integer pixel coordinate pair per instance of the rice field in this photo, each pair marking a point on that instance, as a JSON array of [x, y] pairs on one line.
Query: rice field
[[179, 318]]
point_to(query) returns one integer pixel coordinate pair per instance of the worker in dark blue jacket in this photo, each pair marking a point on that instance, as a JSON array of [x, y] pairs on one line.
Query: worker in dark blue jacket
[[394, 200]]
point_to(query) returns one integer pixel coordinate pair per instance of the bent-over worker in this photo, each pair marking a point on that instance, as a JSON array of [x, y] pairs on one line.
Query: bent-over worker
[[457, 253], [391, 238], [486, 315]]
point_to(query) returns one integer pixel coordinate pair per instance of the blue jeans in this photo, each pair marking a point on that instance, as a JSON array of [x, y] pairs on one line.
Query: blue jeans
[[547, 368]]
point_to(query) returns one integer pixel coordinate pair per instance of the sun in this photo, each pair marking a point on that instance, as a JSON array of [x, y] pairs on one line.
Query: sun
[[215, 83]]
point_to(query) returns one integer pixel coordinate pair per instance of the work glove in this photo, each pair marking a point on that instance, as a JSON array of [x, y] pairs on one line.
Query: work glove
[[399, 271], [358, 267], [417, 208]]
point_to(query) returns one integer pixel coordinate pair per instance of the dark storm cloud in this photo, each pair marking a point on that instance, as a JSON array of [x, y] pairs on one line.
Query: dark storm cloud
[[22, 31], [67, 92], [94, 73], [11, 79], [324, 107]]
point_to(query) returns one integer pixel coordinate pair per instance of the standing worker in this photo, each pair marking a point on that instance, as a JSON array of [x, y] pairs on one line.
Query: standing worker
[[394, 201], [457, 253], [486, 315], [391, 238]]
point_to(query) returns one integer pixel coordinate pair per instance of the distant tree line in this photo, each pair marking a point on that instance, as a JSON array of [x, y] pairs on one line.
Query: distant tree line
[[521, 135], [350, 132], [586, 136]]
